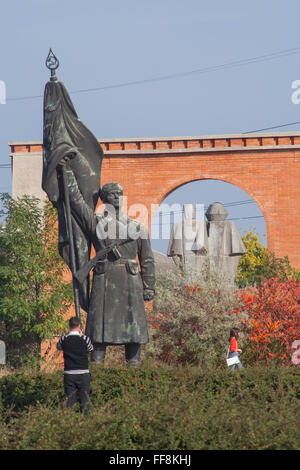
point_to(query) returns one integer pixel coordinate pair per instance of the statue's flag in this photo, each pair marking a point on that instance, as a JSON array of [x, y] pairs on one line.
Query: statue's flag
[[65, 135]]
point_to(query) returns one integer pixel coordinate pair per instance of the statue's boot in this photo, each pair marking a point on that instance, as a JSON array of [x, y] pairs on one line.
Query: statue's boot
[[98, 354], [133, 354]]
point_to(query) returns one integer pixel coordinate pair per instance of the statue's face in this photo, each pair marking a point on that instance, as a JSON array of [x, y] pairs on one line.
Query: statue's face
[[114, 198]]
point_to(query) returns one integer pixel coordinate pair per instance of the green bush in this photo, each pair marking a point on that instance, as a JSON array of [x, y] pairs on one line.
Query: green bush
[[34, 297], [21, 390], [259, 263], [156, 408], [191, 320]]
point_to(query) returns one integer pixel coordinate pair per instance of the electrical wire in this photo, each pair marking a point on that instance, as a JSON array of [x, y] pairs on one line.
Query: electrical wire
[[235, 218], [203, 70], [228, 204], [228, 65], [273, 127]]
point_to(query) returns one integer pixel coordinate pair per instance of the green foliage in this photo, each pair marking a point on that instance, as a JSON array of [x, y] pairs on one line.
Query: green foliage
[[258, 263], [252, 261], [21, 390], [273, 320], [190, 321], [157, 409], [33, 295]]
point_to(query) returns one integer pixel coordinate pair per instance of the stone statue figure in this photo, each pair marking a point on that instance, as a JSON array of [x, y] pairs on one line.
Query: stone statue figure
[[188, 241], [121, 284], [225, 245], [215, 244]]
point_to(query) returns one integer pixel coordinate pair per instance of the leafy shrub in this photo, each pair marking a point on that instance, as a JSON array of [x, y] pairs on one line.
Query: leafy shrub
[[21, 390], [190, 323], [34, 297], [273, 323], [163, 408], [259, 263]]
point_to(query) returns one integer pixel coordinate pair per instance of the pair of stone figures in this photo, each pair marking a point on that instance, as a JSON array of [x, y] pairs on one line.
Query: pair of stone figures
[[216, 244]]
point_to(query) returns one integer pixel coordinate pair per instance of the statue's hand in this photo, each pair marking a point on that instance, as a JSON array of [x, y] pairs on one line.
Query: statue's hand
[[65, 160], [148, 294]]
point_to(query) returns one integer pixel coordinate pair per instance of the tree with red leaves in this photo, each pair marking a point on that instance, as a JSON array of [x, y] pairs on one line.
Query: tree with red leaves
[[273, 324]]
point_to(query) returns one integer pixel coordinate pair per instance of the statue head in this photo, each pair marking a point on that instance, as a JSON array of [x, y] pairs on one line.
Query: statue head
[[111, 194], [216, 212]]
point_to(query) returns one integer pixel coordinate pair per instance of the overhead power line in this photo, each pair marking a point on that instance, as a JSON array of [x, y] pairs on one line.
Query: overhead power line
[[273, 127], [228, 204], [235, 218], [203, 70], [244, 218], [228, 65]]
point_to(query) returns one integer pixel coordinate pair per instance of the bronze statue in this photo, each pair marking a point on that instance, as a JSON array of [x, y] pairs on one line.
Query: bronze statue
[[72, 163], [116, 312]]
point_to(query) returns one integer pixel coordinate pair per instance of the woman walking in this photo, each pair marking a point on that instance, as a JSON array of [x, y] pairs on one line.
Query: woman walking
[[234, 350]]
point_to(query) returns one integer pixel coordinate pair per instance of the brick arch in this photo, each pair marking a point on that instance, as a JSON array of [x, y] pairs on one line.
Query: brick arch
[[232, 180]]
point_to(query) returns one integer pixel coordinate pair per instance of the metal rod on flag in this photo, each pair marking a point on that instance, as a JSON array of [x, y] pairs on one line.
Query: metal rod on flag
[[71, 240]]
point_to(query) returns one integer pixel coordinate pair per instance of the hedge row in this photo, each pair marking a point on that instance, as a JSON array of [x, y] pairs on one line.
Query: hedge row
[[154, 408]]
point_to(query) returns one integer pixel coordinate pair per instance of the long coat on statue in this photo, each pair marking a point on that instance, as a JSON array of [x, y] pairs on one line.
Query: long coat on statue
[[116, 313]]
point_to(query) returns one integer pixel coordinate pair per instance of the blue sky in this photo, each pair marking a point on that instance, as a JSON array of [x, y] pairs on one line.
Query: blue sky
[[101, 43]]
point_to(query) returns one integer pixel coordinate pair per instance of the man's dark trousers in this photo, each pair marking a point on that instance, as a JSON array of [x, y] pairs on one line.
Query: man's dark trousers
[[80, 383]]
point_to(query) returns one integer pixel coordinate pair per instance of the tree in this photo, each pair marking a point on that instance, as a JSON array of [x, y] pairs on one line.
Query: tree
[[258, 263], [33, 294], [273, 319]]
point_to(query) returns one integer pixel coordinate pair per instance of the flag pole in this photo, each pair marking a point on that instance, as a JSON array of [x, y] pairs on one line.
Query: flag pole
[[71, 240]]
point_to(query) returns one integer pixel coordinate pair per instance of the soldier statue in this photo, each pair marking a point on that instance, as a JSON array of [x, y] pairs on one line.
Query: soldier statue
[[121, 284], [123, 276]]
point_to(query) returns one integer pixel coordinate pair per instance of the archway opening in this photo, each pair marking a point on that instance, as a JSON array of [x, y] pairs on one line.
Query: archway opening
[[241, 208]]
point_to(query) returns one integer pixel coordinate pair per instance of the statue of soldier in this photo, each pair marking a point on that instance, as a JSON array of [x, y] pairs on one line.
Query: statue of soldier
[[72, 160], [116, 313]]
